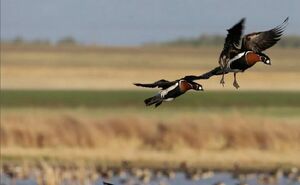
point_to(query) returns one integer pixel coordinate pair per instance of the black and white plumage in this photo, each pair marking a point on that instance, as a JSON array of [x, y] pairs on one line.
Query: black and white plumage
[[236, 57], [170, 90], [238, 63], [257, 41]]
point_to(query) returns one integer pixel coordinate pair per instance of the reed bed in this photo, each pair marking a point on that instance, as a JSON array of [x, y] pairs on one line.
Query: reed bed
[[198, 137]]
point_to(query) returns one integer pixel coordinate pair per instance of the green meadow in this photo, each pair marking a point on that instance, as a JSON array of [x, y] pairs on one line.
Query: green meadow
[[134, 98]]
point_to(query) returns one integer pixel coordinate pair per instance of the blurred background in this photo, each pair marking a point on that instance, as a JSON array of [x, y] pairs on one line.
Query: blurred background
[[70, 113]]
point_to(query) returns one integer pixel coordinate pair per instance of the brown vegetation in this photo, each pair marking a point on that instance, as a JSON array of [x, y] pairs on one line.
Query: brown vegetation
[[78, 67], [213, 134], [198, 138]]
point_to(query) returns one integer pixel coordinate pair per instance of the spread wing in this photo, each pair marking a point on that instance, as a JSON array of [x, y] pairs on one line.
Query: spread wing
[[164, 84], [261, 41], [232, 41]]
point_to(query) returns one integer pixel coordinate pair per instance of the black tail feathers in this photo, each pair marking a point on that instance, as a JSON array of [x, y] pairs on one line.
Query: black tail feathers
[[158, 104], [157, 100]]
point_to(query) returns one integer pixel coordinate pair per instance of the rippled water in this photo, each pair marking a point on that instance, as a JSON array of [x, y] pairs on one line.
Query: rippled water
[[179, 179]]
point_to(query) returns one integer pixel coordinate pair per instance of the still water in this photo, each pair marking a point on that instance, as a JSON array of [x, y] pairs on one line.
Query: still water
[[179, 179]]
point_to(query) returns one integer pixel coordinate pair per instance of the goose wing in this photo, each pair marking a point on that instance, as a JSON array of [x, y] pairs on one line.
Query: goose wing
[[164, 84], [231, 42], [260, 41]]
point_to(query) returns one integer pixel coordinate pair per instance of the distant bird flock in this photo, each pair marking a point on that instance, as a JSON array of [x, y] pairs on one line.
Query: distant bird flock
[[238, 55]]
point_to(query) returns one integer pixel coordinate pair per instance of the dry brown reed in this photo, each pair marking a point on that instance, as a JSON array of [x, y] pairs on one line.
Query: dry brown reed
[[197, 133]]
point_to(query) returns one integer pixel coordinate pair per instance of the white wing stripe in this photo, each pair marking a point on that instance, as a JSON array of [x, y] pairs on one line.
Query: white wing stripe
[[166, 91], [237, 57]]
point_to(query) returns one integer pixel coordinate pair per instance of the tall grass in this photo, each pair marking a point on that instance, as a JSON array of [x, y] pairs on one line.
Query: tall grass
[[234, 131]]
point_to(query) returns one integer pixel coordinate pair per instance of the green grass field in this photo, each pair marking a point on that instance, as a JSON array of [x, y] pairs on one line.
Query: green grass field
[[126, 98]]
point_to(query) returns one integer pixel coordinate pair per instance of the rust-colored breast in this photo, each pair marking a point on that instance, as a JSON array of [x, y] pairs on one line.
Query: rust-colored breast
[[252, 58], [184, 86]]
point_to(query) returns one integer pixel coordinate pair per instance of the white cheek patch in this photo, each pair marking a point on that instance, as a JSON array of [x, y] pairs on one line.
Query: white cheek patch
[[268, 61], [200, 88]]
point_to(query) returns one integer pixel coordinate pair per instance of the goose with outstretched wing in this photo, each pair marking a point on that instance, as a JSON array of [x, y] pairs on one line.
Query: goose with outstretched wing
[[170, 90], [236, 57]]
